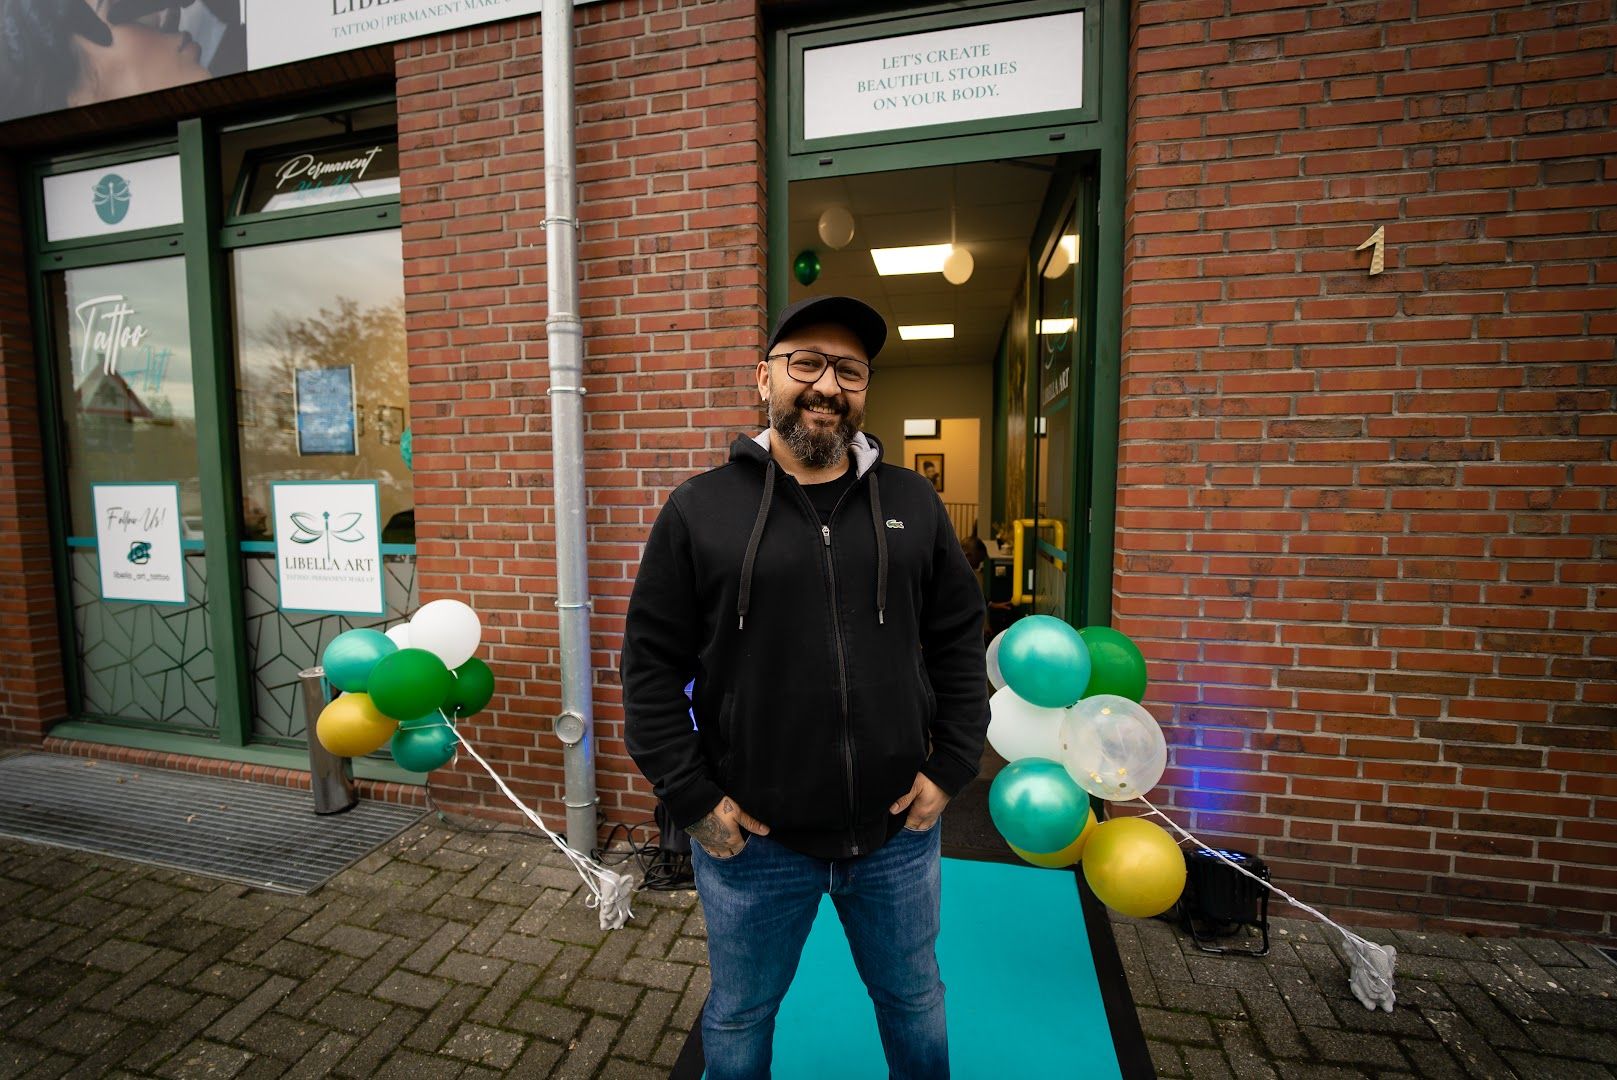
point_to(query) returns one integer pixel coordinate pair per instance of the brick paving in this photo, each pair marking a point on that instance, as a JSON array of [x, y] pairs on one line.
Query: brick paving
[[447, 953], [1468, 1007], [458, 952]]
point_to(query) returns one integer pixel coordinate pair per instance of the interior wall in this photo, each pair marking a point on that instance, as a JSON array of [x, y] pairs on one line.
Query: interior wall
[[959, 442], [946, 391]]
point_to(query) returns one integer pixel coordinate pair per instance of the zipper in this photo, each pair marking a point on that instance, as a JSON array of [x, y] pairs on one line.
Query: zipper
[[842, 658]]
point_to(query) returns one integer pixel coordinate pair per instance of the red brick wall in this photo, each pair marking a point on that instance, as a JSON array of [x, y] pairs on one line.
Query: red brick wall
[[1365, 528], [670, 157], [32, 694]]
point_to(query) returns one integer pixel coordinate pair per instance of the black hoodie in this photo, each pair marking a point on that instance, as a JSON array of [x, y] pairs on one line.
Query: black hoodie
[[831, 663]]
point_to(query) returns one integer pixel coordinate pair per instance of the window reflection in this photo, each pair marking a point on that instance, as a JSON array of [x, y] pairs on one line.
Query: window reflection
[[305, 312], [123, 357]]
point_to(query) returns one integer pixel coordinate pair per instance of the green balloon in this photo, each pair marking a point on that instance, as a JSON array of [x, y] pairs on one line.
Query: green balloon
[[806, 268], [1045, 662], [409, 683], [352, 654], [473, 689], [423, 749], [1116, 665], [1036, 806]]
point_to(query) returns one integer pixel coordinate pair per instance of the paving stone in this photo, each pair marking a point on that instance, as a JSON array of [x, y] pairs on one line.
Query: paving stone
[[1276, 1027], [155, 1004], [660, 974], [668, 1050], [688, 950], [349, 1012], [1548, 953], [485, 1046], [1354, 1048], [1166, 1058], [259, 1002], [430, 1033], [1206, 1063], [620, 1069], [352, 941], [598, 995], [537, 951], [1177, 1028], [416, 991], [171, 1037], [366, 1058], [280, 1037], [119, 956], [365, 978], [1469, 1047], [559, 975], [691, 1002], [311, 990], [516, 981], [554, 1022], [1543, 1067], [639, 1038], [1240, 1045], [413, 1065], [585, 1054], [1431, 1060], [80, 1030], [205, 1059], [323, 1059], [459, 967]]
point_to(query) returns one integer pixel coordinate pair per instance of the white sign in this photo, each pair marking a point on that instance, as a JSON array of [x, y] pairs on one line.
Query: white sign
[[328, 552], [1015, 68], [113, 199], [137, 535], [281, 31]]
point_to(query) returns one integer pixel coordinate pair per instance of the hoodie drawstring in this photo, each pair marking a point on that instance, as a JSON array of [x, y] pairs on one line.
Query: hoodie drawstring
[[752, 546], [881, 549], [744, 599]]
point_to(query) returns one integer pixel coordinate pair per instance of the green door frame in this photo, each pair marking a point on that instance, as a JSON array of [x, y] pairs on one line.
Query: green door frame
[[1097, 134], [203, 238]]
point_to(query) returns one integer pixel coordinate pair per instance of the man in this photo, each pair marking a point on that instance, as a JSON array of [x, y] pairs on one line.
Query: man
[[822, 604]]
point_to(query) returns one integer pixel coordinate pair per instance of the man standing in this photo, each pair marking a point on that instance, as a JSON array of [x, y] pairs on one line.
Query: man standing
[[822, 605]]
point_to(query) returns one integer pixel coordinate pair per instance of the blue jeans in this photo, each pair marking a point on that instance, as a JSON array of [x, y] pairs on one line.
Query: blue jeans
[[759, 905]]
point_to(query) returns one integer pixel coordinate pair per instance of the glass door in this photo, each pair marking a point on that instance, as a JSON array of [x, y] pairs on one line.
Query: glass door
[[1053, 546]]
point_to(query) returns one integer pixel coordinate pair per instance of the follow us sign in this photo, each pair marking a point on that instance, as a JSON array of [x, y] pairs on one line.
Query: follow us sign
[[137, 534], [1018, 67]]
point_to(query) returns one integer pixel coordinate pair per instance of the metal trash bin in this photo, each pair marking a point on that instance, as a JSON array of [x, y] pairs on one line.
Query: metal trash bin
[[330, 777]]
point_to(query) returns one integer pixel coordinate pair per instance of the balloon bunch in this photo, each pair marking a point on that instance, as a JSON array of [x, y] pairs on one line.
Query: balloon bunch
[[1066, 714], [406, 687]]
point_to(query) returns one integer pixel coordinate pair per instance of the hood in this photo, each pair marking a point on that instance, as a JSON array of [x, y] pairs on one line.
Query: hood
[[865, 448]]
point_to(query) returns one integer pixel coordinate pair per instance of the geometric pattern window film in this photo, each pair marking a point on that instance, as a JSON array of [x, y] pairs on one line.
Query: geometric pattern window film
[[144, 661], [282, 643]]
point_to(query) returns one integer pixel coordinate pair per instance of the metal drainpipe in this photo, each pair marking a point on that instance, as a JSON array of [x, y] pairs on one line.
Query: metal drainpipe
[[575, 726]]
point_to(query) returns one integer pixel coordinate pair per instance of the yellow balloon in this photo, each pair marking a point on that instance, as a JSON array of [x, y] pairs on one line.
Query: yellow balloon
[[1134, 866], [1067, 855], [351, 726]]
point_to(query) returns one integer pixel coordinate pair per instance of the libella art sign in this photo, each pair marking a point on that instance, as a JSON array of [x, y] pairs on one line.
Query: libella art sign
[[982, 71], [328, 553]]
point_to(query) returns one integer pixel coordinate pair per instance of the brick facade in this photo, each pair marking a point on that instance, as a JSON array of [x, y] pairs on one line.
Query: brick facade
[[1365, 524], [32, 692], [671, 186]]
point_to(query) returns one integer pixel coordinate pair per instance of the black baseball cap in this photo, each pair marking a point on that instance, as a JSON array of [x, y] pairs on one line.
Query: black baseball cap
[[865, 322]]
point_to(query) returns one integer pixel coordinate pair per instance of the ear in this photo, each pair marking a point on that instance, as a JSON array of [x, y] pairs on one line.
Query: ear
[[763, 380]]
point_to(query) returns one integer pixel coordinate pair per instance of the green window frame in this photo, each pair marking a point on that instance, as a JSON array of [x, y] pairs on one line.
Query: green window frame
[[203, 238]]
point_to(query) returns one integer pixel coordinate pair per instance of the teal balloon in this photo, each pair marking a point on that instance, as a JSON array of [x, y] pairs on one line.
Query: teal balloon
[[1045, 661], [1036, 806], [473, 689], [409, 683], [1117, 665], [352, 654], [423, 749], [806, 268]]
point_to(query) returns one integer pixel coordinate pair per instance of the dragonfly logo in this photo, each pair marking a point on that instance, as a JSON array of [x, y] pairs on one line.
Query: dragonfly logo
[[308, 530], [111, 198]]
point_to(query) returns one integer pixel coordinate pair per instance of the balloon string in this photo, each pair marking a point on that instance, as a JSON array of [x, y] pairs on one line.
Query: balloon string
[[585, 866], [1357, 944]]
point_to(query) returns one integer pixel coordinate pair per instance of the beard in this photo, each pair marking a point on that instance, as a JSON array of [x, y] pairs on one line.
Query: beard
[[815, 447]]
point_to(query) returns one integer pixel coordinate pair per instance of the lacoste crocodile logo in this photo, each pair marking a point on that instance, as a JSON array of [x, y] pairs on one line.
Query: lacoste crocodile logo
[[894, 523]]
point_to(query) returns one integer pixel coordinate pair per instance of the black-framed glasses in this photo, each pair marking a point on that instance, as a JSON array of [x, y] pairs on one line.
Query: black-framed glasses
[[807, 365]]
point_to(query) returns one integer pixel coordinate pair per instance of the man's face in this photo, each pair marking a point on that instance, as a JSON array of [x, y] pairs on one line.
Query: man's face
[[817, 420]]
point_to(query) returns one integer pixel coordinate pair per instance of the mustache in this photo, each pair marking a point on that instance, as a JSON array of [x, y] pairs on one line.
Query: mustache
[[810, 399]]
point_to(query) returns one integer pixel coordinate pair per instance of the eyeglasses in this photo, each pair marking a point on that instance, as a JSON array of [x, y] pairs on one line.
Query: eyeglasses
[[806, 366]]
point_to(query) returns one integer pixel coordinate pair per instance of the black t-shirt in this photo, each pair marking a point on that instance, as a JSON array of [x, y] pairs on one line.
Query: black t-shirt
[[824, 496]]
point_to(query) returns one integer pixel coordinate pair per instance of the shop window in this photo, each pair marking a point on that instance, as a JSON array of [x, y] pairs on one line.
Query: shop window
[[121, 348], [322, 389]]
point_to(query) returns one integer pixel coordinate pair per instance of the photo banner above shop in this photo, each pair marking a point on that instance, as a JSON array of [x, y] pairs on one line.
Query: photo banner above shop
[[61, 54]]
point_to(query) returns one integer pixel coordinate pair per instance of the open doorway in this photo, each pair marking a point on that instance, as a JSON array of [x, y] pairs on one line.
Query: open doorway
[[983, 385]]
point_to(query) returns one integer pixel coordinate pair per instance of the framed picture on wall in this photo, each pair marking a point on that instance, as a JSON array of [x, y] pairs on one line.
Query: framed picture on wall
[[931, 467]]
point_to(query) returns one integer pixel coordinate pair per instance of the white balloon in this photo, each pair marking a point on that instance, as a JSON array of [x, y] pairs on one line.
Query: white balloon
[[1112, 747], [448, 629], [958, 266], [994, 675], [836, 227], [400, 635], [1018, 729]]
